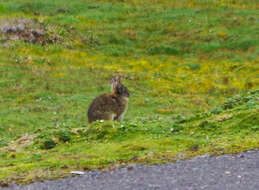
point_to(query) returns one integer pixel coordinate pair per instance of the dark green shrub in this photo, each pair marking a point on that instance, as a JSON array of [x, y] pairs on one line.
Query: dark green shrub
[[48, 144], [64, 136]]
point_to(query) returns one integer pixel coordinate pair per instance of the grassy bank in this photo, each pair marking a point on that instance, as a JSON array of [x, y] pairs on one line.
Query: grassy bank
[[182, 61]]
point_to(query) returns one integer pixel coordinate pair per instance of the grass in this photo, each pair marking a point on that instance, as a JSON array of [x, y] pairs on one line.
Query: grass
[[182, 61]]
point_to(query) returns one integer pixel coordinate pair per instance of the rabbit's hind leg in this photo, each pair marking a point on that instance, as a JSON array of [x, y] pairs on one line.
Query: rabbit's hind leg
[[108, 116], [120, 117]]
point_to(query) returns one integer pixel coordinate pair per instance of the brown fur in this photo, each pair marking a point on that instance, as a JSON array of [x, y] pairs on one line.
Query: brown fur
[[110, 106]]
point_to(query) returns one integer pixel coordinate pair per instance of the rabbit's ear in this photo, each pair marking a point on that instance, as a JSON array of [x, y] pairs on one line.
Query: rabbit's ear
[[112, 80], [114, 83], [118, 79]]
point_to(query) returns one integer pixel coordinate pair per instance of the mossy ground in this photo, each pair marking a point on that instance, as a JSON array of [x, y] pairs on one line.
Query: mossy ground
[[181, 61]]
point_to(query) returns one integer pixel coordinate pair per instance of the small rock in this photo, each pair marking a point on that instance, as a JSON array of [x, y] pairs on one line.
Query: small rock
[[3, 184], [130, 168], [64, 167], [205, 156], [37, 33], [77, 172], [20, 27], [227, 172], [86, 168]]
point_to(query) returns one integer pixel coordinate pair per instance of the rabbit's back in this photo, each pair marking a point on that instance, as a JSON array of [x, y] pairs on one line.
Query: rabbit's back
[[107, 107]]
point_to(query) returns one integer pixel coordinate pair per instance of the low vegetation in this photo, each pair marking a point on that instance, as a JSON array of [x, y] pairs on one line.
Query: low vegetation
[[191, 68]]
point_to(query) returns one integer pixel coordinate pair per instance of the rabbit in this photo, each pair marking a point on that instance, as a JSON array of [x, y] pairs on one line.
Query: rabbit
[[110, 106]]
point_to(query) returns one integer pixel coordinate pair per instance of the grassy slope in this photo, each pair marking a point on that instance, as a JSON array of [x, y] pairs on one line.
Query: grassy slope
[[180, 59]]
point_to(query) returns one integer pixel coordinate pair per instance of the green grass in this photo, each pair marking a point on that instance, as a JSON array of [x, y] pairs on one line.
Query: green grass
[[180, 60]]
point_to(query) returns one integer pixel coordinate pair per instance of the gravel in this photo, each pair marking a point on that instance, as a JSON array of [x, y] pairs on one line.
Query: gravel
[[226, 172]]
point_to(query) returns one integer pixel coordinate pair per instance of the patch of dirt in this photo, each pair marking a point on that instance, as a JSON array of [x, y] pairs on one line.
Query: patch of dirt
[[224, 117], [21, 143], [27, 31]]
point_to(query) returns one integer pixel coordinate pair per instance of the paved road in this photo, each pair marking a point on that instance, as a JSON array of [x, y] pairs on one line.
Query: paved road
[[227, 172]]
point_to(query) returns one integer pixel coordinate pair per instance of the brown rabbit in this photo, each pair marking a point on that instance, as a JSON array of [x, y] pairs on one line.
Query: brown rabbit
[[111, 106]]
